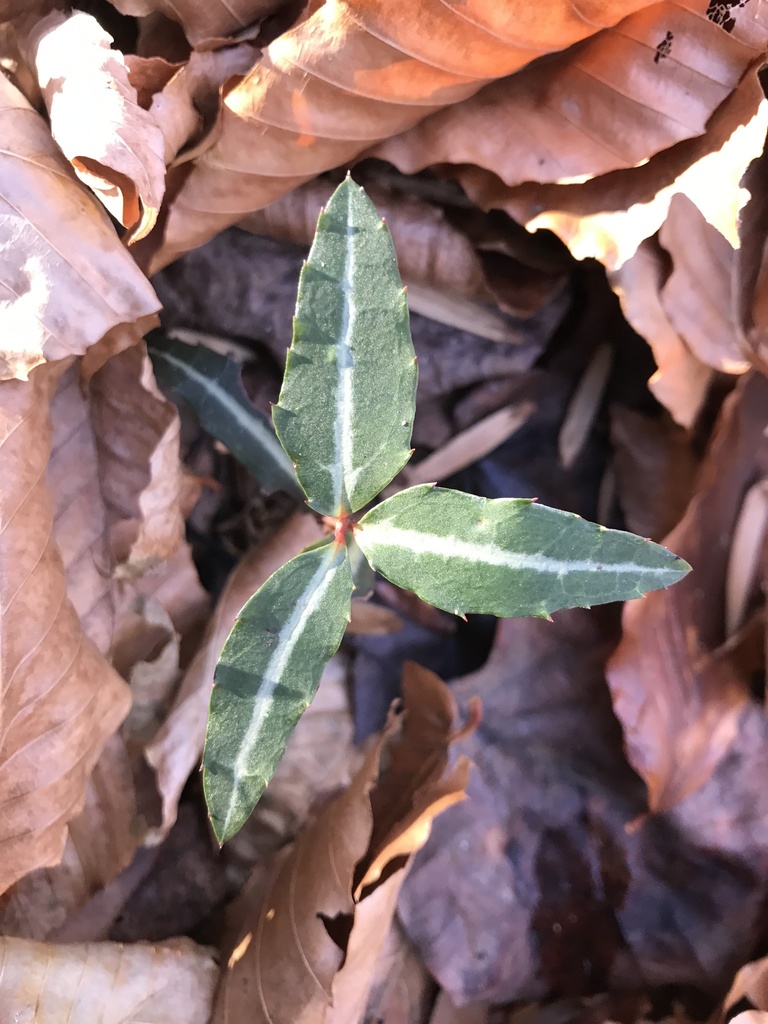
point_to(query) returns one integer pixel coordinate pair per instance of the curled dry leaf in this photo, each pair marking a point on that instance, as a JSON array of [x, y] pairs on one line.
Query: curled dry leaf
[[178, 746], [678, 699], [137, 440], [105, 981], [59, 699], [348, 76], [100, 843], [188, 104], [608, 216], [117, 150], [681, 380], [310, 938], [204, 21], [750, 985], [66, 278], [664, 70]]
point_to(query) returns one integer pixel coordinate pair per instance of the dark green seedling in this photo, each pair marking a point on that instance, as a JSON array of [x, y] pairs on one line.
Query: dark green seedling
[[344, 418]]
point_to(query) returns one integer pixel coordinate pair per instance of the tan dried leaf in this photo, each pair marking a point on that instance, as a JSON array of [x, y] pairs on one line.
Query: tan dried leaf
[[100, 844], [679, 696], [348, 76], [117, 149], [170, 983], [66, 278], [681, 380], [206, 20], [310, 939], [608, 216], [142, 480], [178, 746], [79, 520], [610, 102], [59, 699]]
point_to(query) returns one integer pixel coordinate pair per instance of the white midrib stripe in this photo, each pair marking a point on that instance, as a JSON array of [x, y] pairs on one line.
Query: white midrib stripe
[[288, 637], [489, 554], [250, 423], [343, 467]]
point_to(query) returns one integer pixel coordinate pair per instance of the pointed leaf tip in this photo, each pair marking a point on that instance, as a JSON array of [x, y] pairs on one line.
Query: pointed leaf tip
[[507, 556], [348, 396]]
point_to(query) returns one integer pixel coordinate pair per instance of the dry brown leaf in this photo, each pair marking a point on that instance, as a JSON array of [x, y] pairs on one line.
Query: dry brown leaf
[[351, 74], [178, 746], [610, 102], [681, 380], [608, 216], [309, 942], [203, 21], [750, 984], [100, 844], [79, 519], [188, 104], [171, 983], [117, 150], [137, 439], [401, 990], [66, 279], [371, 619], [59, 699], [697, 295], [680, 702], [655, 468]]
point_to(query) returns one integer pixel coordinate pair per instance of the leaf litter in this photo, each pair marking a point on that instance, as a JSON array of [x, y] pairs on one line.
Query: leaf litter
[[608, 861]]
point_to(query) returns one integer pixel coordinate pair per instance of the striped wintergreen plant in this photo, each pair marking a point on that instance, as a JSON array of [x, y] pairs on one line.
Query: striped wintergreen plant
[[344, 417]]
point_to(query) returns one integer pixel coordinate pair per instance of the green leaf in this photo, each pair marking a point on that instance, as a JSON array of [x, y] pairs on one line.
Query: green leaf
[[346, 407], [507, 556], [267, 676], [211, 384]]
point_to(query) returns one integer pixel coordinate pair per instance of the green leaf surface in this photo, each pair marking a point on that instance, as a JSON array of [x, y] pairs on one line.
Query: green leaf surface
[[211, 384], [267, 676], [346, 407], [507, 556]]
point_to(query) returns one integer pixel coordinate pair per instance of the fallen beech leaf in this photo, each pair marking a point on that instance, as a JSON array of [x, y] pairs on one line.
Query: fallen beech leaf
[[137, 439], [79, 518], [678, 701], [750, 984], [117, 151], [664, 70], [608, 216], [178, 746], [100, 844], [551, 878], [187, 107], [59, 699], [655, 468], [105, 981], [203, 21], [697, 295], [67, 279], [308, 944], [681, 380], [348, 76], [401, 990]]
